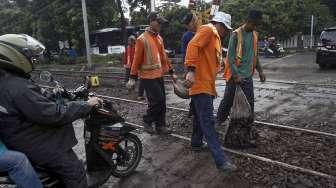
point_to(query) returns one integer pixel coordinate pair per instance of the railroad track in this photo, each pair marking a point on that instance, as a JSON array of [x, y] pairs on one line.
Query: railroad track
[[265, 157], [313, 168], [121, 75], [328, 92]]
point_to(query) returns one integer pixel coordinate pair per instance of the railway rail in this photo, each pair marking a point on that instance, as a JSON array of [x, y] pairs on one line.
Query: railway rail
[[307, 94], [253, 155], [108, 74], [264, 157]]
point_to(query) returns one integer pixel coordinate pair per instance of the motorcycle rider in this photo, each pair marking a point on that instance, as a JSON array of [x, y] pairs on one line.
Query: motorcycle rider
[[30, 122]]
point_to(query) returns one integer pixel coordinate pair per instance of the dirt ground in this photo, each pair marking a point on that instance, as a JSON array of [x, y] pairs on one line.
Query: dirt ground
[[168, 162]]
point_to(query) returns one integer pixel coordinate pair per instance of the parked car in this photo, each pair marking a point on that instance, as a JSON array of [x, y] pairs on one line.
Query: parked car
[[326, 51]]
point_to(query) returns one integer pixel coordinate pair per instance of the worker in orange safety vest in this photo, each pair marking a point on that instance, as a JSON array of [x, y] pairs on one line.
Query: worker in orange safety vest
[[151, 63], [241, 62], [128, 60], [129, 56]]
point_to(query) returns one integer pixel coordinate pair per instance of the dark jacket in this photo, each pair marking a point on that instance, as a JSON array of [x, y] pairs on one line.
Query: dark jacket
[[32, 123]]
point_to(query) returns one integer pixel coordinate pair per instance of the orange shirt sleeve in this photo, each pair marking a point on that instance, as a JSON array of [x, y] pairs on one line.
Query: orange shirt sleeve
[[199, 41], [138, 57]]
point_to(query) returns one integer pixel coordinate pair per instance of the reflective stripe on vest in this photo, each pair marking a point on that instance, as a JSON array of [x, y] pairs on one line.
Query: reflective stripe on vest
[[150, 65], [239, 50], [239, 53]]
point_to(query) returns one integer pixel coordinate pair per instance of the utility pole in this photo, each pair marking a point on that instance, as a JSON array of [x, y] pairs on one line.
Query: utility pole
[[214, 8], [86, 32], [311, 32], [152, 5]]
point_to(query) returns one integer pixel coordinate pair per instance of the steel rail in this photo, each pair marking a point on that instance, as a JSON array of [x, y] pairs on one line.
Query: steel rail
[[109, 76], [170, 81], [244, 154], [258, 123], [218, 78], [260, 158]]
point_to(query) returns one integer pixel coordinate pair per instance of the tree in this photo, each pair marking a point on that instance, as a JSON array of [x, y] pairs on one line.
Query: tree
[[282, 18], [54, 20]]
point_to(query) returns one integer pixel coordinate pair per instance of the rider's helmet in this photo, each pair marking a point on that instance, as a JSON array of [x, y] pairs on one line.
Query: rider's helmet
[[18, 52], [181, 90]]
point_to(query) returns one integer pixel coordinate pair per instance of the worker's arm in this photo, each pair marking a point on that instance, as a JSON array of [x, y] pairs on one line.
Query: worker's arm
[[138, 58], [260, 71], [258, 66]]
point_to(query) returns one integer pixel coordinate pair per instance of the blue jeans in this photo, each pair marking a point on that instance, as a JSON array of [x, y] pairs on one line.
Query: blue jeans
[[19, 169], [204, 125]]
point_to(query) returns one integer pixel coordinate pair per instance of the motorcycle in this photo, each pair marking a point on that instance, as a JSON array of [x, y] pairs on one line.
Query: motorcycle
[[276, 51], [110, 146]]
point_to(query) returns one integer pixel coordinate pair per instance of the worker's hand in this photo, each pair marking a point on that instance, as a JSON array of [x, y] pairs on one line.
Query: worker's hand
[[58, 89], [262, 77], [95, 102], [238, 79], [174, 77], [190, 79], [130, 84]]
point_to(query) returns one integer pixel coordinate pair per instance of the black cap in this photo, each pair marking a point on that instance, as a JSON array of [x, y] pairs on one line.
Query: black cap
[[155, 16], [255, 16], [186, 19]]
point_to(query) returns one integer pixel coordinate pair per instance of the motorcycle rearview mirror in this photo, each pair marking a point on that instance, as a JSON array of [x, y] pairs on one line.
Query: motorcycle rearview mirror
[[46, 76]]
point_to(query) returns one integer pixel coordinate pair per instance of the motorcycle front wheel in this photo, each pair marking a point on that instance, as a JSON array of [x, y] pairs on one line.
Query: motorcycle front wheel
[[127, 156]]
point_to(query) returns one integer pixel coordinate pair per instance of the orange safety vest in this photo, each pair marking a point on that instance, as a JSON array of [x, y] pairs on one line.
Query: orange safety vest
[[239, 53], [154, 62], [129, 55]]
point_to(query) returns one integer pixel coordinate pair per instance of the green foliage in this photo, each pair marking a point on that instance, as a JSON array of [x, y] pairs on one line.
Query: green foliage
[[282, 18], [54, 20], [175, 29]]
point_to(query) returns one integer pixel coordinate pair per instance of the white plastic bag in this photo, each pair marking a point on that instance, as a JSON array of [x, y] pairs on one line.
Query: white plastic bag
[[241, 109]]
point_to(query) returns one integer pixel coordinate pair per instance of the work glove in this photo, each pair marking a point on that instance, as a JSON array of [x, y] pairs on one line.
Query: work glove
[[130, 84], [190, 79], [95, 102], [174, 77], [237, 79], [58, 90]]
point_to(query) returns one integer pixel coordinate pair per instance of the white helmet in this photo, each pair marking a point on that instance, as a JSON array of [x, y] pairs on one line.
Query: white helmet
[[223, 18]]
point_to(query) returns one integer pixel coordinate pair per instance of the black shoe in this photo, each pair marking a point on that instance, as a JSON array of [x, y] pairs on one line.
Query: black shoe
[[201, 148], [148, 128], [163, 130], [227, 168]]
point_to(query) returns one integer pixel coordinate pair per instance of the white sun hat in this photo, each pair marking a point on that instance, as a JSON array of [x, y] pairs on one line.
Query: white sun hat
[[223, 18]]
